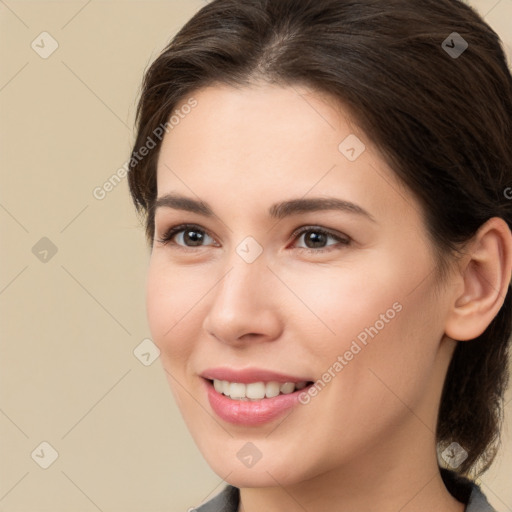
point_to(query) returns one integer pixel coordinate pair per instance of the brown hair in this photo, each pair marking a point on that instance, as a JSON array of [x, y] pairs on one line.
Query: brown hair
[[443, 123]]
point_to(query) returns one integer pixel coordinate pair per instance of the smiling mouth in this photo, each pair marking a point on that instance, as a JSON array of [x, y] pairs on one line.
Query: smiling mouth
[[256, 391]]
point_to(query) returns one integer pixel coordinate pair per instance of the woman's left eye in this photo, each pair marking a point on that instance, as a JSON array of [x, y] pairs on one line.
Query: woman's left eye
[[317, 236], [195, 235]]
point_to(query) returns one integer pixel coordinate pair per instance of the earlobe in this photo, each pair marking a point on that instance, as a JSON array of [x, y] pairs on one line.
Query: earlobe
[[485, 275]]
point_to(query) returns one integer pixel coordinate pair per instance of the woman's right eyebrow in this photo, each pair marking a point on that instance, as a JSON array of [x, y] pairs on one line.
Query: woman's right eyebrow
[[276, 211]]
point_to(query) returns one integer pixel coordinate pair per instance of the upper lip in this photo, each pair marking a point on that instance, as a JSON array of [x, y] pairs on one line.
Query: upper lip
[[248, 375]]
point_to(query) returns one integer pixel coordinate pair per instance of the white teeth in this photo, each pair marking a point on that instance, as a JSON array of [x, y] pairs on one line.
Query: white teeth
[[287, 387], [272, 389], [255, 390], [217, 384], [237, 390]]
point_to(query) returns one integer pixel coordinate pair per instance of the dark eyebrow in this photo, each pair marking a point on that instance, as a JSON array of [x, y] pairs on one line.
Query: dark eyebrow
[[277, 211]]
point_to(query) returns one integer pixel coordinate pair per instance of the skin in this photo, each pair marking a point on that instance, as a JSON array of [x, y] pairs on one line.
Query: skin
[[368, 437]]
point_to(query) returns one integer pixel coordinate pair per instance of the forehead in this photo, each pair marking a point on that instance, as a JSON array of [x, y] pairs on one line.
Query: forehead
[[265, 128], [263, 116], [247, 145]]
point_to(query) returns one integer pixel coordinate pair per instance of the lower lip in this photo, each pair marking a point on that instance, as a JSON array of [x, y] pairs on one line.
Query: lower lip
[[240, 412]]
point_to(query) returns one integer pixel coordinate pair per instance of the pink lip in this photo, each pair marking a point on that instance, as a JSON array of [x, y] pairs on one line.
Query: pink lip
[[250, 375], [249, 413]]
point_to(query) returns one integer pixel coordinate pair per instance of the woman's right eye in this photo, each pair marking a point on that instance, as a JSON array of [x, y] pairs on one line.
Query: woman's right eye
[[185, 234]]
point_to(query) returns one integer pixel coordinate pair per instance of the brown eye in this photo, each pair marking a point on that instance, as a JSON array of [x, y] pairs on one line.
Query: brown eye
[[316, 238], [185, 236]]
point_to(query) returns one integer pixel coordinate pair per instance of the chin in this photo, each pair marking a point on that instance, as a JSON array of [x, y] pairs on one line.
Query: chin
[[268, 471], [262, 477]]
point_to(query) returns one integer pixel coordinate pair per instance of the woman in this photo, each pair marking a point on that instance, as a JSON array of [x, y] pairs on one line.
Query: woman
[[328, 205]]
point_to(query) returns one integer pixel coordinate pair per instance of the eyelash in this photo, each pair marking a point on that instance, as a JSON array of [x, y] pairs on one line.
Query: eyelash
[[174, 230]]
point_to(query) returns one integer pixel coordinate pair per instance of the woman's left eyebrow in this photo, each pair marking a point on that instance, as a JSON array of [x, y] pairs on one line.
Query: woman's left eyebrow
[[313, 204], [276, 211]]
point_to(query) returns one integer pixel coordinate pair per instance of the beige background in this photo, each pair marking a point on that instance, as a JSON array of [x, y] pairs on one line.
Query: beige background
[[70, 323]]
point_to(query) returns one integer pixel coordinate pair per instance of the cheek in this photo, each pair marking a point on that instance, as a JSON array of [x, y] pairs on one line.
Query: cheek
[[376, 316], [170, 302], [398, 340], [338, 305]]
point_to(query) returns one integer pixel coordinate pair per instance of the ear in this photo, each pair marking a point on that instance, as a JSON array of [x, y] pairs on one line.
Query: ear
[[483, 283]]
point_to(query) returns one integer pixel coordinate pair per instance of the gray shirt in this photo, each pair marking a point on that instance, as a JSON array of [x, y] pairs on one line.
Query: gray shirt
[[463, 489]]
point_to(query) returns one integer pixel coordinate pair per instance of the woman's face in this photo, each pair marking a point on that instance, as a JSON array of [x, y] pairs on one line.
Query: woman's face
[[349, 303]]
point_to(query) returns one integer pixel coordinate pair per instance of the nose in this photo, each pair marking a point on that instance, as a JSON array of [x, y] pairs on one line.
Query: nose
[[244, 304]]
